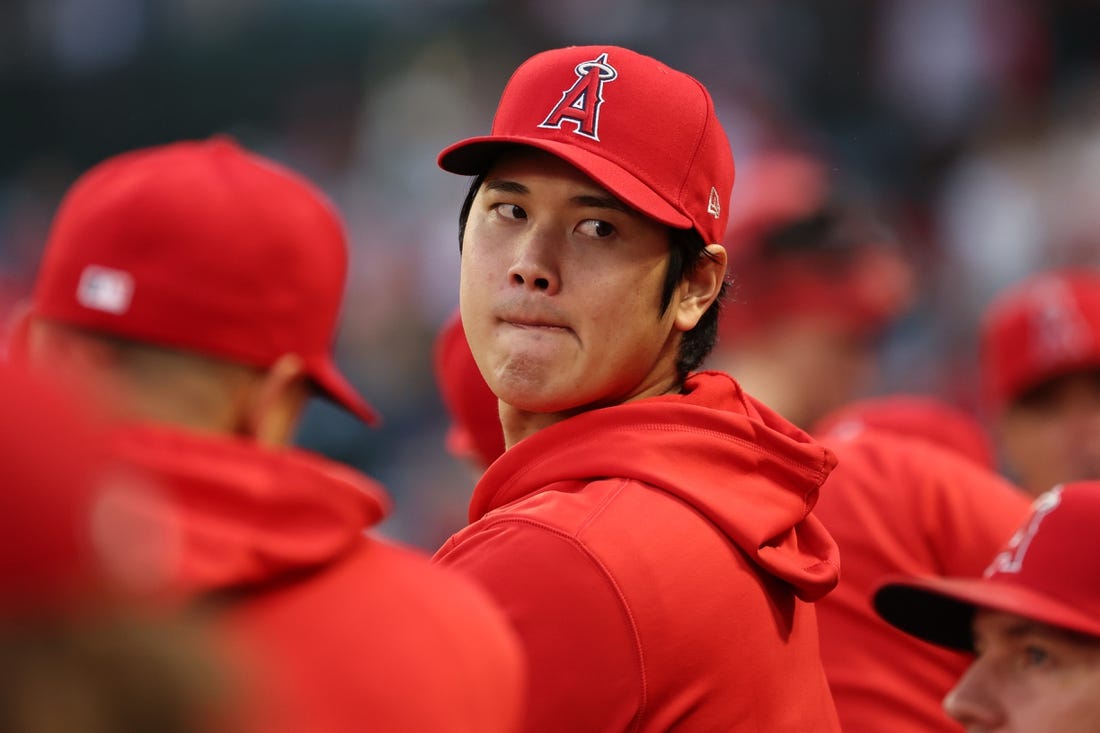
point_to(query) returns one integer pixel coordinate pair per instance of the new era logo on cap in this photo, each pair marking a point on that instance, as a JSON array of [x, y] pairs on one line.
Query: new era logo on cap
[[714, 206], [105, 289]]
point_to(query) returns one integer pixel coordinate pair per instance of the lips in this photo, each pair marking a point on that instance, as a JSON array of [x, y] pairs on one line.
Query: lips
[[530, 320], [527, 323]]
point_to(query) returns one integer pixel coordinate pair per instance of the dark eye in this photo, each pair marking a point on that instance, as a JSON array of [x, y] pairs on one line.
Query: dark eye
[[597, 228], [1035, 656], [510, 211]]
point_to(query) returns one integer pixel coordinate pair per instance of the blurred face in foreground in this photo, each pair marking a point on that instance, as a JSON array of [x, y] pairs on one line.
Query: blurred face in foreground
[[561, 293], [1028, 677], [1051, 434]]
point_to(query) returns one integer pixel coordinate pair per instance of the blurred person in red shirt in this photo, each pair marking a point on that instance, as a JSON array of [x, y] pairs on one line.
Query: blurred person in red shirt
[[85, 644], [1030, 624], [914, 492], [193, 289], [815, 281], [1040, 374]]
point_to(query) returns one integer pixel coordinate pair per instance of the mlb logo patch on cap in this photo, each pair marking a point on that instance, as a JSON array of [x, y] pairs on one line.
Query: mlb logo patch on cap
[[105, 289]]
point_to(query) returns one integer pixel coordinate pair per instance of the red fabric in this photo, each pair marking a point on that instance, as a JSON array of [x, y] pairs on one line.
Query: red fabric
[[919, 416], [897, 504], [336, 631], [48, 559], [654, 557]]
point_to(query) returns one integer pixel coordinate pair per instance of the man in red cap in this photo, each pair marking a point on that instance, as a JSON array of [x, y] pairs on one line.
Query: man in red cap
[[914, 492], [1040, 370], [816, 282], [1033, 620], [647, 529], [194, 289]]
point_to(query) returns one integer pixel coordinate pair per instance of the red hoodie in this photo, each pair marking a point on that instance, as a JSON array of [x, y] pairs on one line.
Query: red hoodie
[[657, 558], [341, 632], [902, 505]]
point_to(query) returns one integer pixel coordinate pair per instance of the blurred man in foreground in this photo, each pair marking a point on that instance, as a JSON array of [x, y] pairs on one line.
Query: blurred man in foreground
[[193, 289]]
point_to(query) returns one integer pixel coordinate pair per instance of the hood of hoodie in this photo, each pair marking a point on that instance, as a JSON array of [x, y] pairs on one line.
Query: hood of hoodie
[[240, 514], [749, 471]]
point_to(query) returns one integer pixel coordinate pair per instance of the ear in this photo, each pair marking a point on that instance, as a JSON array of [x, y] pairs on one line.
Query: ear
[[274, 406], [700, 288]]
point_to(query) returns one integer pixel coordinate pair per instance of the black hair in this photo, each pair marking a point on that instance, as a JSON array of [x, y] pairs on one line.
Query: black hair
[[686, 250]]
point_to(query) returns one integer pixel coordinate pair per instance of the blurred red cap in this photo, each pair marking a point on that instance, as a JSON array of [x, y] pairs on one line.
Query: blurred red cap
[[475, 432], [202, 246], [1044, 327], [796, 250]]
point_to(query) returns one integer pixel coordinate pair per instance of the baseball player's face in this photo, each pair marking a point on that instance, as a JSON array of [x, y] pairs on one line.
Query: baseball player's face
[[560, 292], [1028, 677], [1052, 434]]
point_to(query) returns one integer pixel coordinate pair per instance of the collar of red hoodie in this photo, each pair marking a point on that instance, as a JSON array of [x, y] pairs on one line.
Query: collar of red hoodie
[[754, 475], [242, 514]]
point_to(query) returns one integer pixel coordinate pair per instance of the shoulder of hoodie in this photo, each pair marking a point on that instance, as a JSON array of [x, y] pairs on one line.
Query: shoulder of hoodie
[[380, 582], [589, 518]]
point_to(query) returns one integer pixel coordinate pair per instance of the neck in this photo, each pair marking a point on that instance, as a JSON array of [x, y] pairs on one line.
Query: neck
[[519, 424]]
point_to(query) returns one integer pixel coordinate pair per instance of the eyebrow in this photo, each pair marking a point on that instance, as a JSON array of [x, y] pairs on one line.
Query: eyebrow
[[586, 200], [1026, 627]]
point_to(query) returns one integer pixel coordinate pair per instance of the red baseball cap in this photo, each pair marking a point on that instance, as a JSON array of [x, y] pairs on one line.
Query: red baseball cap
[[799, 247], [1044, 327], [920, 416], [475, 431], [206, 247], [1049, 571], [645, 132]]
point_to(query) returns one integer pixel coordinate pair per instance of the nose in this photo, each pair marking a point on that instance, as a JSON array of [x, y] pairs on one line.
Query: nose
[[970, 701], [535, 265]]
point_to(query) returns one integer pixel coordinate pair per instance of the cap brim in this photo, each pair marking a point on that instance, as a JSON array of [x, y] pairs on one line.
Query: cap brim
[[940, 610], [472, 156], [337, 388]]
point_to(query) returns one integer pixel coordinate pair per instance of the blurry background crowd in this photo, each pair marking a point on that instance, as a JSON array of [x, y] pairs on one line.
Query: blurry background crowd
[[970, 127]]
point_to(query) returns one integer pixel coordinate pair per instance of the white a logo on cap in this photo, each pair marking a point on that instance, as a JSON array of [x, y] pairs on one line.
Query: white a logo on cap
[[580, 103], [1011, 559], [1059, 330], [104, 289]]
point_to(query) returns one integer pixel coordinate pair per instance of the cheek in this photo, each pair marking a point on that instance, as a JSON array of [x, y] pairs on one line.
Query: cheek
[[1066, 709]]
